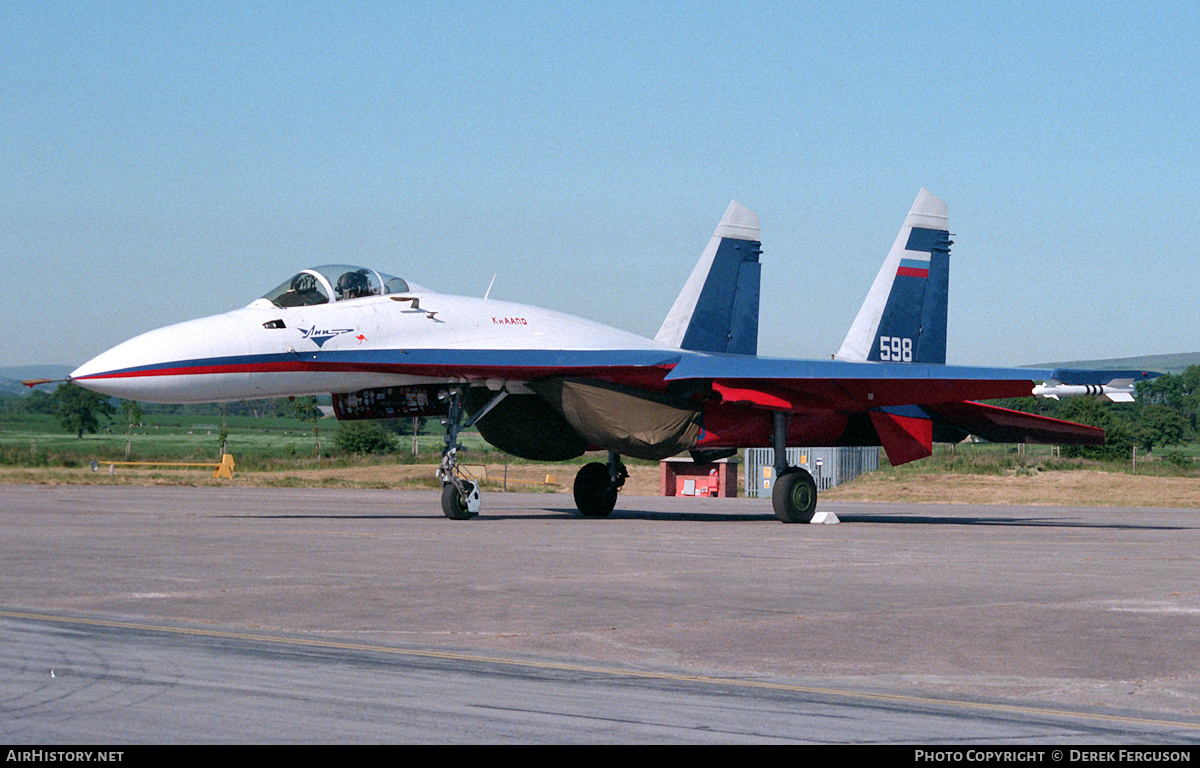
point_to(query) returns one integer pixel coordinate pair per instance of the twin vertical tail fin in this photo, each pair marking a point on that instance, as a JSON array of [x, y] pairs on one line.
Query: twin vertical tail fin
[[903, 319], [717, 310]]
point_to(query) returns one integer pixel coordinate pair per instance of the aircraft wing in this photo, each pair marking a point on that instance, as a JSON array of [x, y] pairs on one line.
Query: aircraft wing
[[784, 384], [901, 406]]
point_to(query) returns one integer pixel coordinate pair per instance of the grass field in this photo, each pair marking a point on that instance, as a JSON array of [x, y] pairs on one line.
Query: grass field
[[38, 440], [280, 452]]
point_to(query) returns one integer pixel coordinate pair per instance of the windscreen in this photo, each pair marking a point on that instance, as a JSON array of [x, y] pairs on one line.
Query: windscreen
[[302, 290]]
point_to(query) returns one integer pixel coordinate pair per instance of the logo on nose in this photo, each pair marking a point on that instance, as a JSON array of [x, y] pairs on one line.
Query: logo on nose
[[321, 335]]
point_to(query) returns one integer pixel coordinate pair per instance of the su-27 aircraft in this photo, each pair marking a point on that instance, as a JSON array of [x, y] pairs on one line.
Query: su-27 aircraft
[[548, 386]]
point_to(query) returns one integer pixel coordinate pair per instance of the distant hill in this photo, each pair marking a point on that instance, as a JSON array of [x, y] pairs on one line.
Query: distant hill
[[1175, 363]]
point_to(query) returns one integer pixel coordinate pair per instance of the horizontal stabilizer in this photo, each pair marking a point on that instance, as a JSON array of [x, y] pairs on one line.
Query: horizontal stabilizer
[[1002, 425]]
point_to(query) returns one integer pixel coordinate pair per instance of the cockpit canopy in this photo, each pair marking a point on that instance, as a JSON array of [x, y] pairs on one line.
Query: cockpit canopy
[[333, 282]]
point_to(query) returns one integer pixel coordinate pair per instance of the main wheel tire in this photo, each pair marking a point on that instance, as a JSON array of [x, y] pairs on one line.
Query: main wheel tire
[[794, 497], [454, 506], [594, 494]]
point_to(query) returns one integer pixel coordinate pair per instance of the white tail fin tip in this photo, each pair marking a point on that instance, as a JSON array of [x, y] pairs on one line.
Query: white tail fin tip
[[738, 223], [928, 211]]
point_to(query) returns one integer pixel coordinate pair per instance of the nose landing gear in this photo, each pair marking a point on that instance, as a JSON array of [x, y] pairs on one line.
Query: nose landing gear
[[460, 493]]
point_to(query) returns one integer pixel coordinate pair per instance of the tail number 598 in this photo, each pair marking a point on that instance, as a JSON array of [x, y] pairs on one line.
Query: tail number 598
[[895, 349]]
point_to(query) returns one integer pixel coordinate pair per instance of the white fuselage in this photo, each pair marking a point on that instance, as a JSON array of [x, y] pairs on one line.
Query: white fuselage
[[263, 350]]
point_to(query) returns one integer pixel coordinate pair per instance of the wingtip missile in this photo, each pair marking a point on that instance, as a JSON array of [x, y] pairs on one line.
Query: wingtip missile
[[1114, 393], [1113, 386]]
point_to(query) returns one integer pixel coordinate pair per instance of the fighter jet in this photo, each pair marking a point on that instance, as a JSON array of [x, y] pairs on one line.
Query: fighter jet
[[544, 385]]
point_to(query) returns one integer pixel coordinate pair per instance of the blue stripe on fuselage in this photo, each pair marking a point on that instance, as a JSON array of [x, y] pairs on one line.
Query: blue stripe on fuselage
[[388, 359]]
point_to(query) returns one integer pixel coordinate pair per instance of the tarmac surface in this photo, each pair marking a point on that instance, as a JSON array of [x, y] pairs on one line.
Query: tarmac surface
[[134, 614]]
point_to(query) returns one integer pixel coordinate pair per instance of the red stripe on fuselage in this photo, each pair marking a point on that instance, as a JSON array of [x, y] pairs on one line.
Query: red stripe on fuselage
[[297, 365], [647, 377]]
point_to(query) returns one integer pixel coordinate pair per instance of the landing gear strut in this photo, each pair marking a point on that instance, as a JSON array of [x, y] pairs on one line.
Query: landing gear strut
[[597, 484], [460, 496], [460, 493], [794, 497]]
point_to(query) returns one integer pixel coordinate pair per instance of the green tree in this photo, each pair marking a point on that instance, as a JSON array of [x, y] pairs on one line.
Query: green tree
[[80, 410], [40, 402], [363, 437], [306, 410], [1085, 410], [1159, 425], [133, 415], [223, 435], [1179, 392]]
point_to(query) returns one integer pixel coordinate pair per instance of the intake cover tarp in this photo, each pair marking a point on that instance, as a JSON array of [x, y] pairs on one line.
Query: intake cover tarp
[[630, 421], [526, 426]]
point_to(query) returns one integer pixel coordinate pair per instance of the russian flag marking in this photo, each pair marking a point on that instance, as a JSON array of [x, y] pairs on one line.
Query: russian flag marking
[[914, 264]]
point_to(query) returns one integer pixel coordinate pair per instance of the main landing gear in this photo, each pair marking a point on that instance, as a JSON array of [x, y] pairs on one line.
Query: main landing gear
[[597, 484], [794, 497]]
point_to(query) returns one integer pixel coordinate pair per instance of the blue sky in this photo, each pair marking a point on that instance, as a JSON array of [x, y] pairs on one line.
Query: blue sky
[[164, 161]]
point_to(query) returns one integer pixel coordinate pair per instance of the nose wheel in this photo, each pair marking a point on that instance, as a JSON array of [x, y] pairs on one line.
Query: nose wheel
[[461, 501]]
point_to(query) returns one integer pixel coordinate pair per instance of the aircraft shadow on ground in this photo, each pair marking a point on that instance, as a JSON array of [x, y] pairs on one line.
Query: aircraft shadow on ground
[[885, 519], [719, 517], [699, 517], [323, 516], [1019, 522], [511, 514]]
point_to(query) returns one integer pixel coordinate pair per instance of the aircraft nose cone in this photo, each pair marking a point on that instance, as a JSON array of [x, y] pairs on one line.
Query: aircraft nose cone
[[170, 365]]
